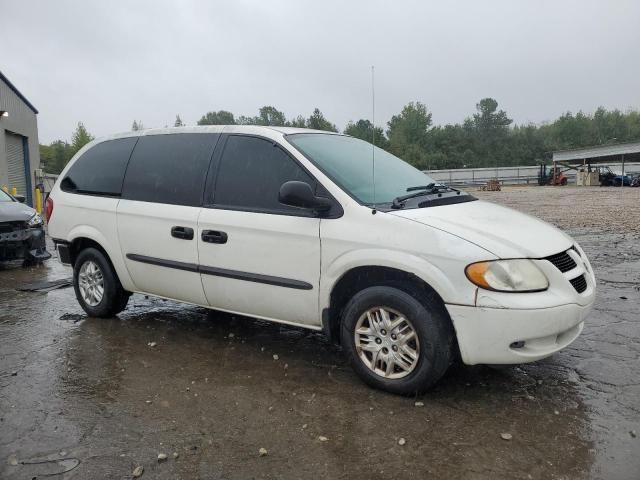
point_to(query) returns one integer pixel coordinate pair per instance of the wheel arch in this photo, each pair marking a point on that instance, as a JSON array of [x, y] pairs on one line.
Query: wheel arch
[[86, 237], [363, 276]]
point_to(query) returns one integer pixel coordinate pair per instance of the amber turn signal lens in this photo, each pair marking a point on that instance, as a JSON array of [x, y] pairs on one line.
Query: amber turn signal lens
[[476, 271]]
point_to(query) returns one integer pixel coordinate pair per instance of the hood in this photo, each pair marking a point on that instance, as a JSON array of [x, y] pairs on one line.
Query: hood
[[502, 231], [15, 212]]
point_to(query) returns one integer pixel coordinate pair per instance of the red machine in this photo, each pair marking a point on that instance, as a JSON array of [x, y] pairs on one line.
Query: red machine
[[556, 177]]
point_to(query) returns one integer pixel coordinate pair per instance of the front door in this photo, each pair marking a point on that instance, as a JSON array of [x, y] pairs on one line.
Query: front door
[[257, 256]]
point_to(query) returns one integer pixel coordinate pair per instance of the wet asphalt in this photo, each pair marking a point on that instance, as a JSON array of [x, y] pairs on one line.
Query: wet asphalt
[[94, 399]]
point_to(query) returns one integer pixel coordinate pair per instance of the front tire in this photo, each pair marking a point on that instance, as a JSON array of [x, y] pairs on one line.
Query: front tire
[[96, 285], [394, 341]]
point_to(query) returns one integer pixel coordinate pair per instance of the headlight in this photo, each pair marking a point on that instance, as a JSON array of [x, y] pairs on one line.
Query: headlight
[[507, 276], [35, 221]]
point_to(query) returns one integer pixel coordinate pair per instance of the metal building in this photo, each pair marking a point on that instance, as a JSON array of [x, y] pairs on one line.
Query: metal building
[[19, 148], [588, 161]]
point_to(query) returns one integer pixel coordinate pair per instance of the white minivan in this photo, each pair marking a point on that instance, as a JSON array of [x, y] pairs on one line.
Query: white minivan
[[321, 231]]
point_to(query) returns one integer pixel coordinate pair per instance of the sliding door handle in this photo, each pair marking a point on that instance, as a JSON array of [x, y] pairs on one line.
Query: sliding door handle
[[214, 236], [183, 233]]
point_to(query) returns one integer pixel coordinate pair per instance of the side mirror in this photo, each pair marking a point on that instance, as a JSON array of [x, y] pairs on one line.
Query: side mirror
[[299, 194], [20, 198]]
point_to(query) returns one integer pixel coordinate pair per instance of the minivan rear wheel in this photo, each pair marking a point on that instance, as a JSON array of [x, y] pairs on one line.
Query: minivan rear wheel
[[394, 341], [96, 285]]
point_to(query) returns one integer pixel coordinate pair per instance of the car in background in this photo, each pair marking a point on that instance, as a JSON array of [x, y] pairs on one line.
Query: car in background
[[609, 178], [619, 179], [22, 233]]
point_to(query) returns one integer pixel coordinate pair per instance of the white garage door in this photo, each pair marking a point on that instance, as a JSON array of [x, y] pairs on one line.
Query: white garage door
[[15, 159]]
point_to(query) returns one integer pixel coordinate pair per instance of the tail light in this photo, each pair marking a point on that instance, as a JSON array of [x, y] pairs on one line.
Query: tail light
[[48, 209]]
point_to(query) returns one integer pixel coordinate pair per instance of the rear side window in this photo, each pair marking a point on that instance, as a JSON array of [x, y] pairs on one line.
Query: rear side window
[[169, 168], [250, 175], [100, 170]]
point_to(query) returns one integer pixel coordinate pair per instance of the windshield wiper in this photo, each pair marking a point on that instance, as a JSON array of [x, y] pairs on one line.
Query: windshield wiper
[[398, 202], [432, 187], [419, 191], [421, 187]]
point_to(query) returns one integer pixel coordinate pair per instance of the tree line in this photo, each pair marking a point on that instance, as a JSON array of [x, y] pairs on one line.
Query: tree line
[[487, 138], [56, 155]]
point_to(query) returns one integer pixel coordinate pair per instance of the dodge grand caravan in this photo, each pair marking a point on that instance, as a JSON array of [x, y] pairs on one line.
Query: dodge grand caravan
[[297, 226]]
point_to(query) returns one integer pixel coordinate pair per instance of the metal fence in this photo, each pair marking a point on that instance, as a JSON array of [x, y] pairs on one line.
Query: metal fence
[[509, 175], [48, 180]]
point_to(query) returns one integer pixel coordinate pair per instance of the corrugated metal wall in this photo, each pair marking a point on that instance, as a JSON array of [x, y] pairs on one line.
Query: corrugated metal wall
[[16, 174], [18, 129]]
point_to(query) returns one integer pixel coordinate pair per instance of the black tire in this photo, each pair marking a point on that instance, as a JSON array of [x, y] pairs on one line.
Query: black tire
[[115, 298], [432, 327]]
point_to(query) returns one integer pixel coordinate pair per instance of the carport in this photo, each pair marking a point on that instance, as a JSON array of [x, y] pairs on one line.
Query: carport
[[583, 160]]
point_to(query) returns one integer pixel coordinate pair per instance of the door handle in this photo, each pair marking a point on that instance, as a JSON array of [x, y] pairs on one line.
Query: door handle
[[214, 236], [183, 233]]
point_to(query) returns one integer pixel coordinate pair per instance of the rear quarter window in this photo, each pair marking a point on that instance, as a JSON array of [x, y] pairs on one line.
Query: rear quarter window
[[100, 170], [169, 168]]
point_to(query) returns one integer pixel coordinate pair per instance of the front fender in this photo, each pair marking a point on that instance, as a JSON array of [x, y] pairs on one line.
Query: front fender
[[418, 266]]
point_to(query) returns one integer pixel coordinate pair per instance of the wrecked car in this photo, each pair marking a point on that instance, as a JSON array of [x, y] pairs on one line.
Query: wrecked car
[[22, 233]]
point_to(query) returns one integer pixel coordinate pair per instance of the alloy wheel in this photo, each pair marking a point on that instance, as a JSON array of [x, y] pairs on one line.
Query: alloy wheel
[[387, 342], [91, 283]]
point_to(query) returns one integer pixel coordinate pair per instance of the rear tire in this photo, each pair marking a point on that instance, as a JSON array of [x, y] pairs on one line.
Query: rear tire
[[96, 285], [416, 365]]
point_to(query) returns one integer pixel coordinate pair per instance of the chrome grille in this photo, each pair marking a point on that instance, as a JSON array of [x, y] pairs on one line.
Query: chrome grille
[[562, 261]]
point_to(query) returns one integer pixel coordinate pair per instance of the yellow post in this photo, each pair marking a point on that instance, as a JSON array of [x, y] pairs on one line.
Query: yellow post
[[14, 191], [38, 201]]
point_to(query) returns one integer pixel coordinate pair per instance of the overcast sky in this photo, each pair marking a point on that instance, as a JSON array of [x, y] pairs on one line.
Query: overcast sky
[[107, 63]]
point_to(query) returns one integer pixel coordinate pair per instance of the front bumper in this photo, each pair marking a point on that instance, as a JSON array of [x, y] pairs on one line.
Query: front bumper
[[28, 244], [487, 335]]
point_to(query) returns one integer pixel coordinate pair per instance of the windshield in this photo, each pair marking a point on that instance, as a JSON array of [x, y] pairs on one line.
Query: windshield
[[349, 162], [4, 197]]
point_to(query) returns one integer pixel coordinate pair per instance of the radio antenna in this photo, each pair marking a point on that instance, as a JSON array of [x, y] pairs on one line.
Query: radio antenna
[[373, 136]]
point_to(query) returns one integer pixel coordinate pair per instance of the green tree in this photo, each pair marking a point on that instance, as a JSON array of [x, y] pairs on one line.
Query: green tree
[[363, 129], [298, 122], [408, 134], [55, 156], [454, 142], [318, 122], [221, 117], [269, 115], [489, 118], [137, 125], [178, 122], [244, 120], [80, 138], [490, 129]]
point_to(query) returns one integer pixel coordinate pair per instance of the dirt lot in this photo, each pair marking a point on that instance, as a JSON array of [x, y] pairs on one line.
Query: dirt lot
[[576, 209], [93, 398]]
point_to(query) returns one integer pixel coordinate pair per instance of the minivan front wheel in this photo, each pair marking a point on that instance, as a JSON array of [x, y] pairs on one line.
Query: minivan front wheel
[[96, 285], [394, 341]]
